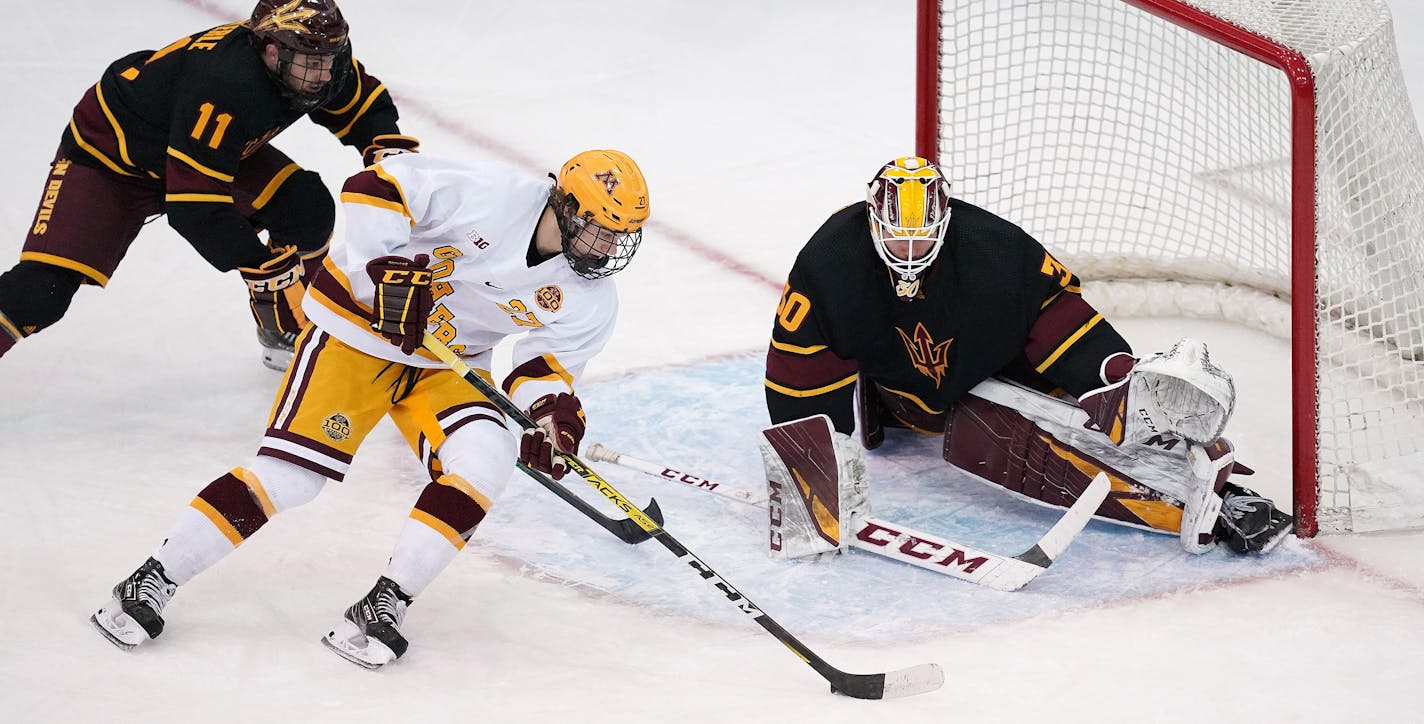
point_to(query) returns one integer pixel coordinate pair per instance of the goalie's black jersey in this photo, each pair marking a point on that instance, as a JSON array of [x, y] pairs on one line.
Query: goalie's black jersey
[[993, 302]]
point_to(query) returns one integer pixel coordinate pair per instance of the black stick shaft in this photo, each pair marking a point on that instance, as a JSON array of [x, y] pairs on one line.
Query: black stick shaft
[[861, 686]]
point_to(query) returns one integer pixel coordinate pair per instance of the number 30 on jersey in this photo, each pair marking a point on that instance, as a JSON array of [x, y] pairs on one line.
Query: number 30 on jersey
[[792, 310]]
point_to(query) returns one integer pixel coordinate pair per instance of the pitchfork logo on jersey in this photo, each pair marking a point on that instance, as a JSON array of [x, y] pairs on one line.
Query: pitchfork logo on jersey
[[610, 181], [549, 298], [930, 359]]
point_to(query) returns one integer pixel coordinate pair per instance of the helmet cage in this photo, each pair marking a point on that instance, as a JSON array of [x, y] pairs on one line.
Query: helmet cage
[[592, 250], [301, 100]]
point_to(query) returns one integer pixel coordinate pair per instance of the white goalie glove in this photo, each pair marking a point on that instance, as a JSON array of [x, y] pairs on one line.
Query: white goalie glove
[[1178, 392], [817, 485]]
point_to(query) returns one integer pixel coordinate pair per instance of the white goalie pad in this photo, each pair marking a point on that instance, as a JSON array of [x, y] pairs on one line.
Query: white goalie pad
[[816, 484], [1036, 446], [1180, 392]]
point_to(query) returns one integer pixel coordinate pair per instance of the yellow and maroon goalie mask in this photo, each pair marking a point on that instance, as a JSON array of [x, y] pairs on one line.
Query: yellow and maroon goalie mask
[[908, 204], [600, 200]]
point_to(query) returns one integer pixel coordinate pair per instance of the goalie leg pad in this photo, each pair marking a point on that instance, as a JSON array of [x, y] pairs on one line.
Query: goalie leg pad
[[1211, 465], [1034, 445], [817, 484], [868, 413]]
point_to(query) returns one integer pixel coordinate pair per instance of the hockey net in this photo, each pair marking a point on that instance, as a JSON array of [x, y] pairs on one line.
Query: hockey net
[[1251, 160]]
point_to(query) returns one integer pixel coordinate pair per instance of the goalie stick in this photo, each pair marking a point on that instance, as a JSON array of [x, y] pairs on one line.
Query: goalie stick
[[898, 542], [901, 682], [625, 529]]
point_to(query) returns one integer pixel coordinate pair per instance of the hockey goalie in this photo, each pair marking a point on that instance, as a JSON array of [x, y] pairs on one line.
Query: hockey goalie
[[917, 310]]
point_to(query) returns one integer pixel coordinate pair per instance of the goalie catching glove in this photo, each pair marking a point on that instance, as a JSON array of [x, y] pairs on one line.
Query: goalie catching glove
[[276, 289], [402, 301], [558, 427], [386, 145], [1178, 392]]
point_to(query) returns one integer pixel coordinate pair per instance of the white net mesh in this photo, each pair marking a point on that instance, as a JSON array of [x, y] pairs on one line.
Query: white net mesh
[[1152, 159]]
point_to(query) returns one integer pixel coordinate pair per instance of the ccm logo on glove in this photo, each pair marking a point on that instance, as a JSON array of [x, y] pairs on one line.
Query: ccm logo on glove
[[402, 300]]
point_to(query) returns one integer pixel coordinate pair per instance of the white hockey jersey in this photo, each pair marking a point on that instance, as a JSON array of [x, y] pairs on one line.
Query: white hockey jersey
[[476, 221]]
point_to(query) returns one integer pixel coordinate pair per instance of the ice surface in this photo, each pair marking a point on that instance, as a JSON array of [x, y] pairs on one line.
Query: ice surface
[[753, 122]]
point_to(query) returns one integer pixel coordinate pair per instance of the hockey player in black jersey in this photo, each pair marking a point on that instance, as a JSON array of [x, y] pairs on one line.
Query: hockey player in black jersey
[[917, 310], [185, 131]]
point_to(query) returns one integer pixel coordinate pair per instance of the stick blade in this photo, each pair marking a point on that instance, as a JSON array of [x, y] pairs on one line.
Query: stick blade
[[1072, 523], [893, 685], [919, 679]]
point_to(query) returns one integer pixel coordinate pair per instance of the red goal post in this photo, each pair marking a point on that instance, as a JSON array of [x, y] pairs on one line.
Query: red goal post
[[1249, 160]]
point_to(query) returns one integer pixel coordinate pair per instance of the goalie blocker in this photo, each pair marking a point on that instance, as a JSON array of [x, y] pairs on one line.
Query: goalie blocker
[[816, 487]]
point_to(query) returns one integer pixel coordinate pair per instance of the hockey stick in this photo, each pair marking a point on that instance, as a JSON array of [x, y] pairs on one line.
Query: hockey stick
[[625, 529], [898, 542], [902, 682]]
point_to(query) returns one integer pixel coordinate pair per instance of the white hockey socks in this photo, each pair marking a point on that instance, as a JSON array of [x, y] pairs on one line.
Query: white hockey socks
[[192, 546], [421, 553], [229, 510]]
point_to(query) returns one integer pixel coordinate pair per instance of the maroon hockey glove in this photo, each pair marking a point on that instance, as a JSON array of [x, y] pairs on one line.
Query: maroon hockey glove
[[276, 288], [1107, 405], [559, 427], [386, 145], [402, 301]]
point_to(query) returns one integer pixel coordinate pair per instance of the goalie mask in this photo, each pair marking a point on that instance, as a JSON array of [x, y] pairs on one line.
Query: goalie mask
[[600, 201], [312, 44], [908, 205]]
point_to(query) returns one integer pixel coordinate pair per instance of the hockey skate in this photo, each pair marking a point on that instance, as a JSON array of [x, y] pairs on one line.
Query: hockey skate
[[277, 348], [134, 614], [1250, 523], [369, 633]]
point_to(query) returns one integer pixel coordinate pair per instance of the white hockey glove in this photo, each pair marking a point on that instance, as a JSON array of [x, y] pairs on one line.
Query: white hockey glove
[[817, 485], [1178, 392]]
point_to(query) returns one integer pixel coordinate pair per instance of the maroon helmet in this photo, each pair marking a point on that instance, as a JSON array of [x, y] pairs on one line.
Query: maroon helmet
[[303, 26], [311, 27]]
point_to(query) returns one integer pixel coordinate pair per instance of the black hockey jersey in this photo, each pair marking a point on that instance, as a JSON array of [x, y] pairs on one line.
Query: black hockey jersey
[[993, 302], [186, 115]]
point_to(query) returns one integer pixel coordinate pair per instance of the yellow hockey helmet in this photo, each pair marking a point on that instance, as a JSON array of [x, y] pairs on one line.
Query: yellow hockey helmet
[[600, 200]]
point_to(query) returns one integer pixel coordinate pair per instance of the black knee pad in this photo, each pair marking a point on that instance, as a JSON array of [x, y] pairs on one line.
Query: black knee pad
[[35, 295], [301, 213]]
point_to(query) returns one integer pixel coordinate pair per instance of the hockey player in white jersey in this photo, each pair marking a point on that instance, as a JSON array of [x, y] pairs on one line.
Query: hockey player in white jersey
[[474, 253]]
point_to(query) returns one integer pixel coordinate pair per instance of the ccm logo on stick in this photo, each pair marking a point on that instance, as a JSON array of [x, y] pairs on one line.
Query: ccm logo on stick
[[879, 535]]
